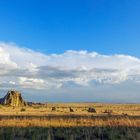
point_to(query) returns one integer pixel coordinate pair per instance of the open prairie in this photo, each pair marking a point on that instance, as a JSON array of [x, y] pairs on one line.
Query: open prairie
[[74, 121], [78, 109]]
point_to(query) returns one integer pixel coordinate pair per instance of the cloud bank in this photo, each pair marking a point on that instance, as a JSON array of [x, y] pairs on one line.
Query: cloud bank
[[23, 68]]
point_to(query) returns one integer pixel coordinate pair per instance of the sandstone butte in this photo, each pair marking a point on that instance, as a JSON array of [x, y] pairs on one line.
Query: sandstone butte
[[13, 98]]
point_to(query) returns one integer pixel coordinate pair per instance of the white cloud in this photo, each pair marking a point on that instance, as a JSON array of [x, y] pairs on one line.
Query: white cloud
[[12, 82], [31, 82], [23, 57], [26, 68], [5, 59]]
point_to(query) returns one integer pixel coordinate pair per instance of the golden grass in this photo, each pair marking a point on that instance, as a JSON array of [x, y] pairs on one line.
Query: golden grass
[[121, 122], [79, 109], [70, 122], [122, 115]]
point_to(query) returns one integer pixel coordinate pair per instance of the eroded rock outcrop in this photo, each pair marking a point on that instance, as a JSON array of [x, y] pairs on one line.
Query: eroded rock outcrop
[[13, 98]]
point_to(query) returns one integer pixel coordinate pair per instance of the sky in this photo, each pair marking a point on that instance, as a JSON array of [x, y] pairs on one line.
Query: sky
[[71, 51]]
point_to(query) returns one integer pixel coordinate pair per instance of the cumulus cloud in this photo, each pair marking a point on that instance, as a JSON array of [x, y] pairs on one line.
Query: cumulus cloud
[[31, 82], [25, 68]]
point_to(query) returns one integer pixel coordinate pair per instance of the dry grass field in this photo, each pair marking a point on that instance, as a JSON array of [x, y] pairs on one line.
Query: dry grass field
[[72, 121]]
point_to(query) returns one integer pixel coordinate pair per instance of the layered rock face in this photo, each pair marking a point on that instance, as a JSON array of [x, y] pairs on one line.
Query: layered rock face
[[13, 98]]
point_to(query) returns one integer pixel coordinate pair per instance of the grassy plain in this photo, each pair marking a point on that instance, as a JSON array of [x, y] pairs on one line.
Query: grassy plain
[[110, 121]]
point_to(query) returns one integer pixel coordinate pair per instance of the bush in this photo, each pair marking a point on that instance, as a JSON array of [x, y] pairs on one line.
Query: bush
[[108, 111], [23, 109], [53, 108], [91, 110]]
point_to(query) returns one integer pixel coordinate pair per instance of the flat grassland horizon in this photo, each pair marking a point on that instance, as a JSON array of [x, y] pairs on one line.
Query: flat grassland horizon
[[74, 121]]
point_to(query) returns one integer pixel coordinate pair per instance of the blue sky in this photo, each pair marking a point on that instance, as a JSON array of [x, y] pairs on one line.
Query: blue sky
[[73, 50], [52, 26]]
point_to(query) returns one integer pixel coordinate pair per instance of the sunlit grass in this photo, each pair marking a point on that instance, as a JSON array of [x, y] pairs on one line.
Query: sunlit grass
[[106, 121]]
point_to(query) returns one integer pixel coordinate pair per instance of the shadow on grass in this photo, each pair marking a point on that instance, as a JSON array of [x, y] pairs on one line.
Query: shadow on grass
[[70, 133], [105, 116]]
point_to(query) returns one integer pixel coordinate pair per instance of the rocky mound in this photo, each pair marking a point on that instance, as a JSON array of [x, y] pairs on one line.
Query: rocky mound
[[13, 98]]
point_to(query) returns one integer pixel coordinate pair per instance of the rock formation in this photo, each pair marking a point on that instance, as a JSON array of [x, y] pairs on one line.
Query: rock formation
[[13, 98], [91, 110], [71, 110]]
